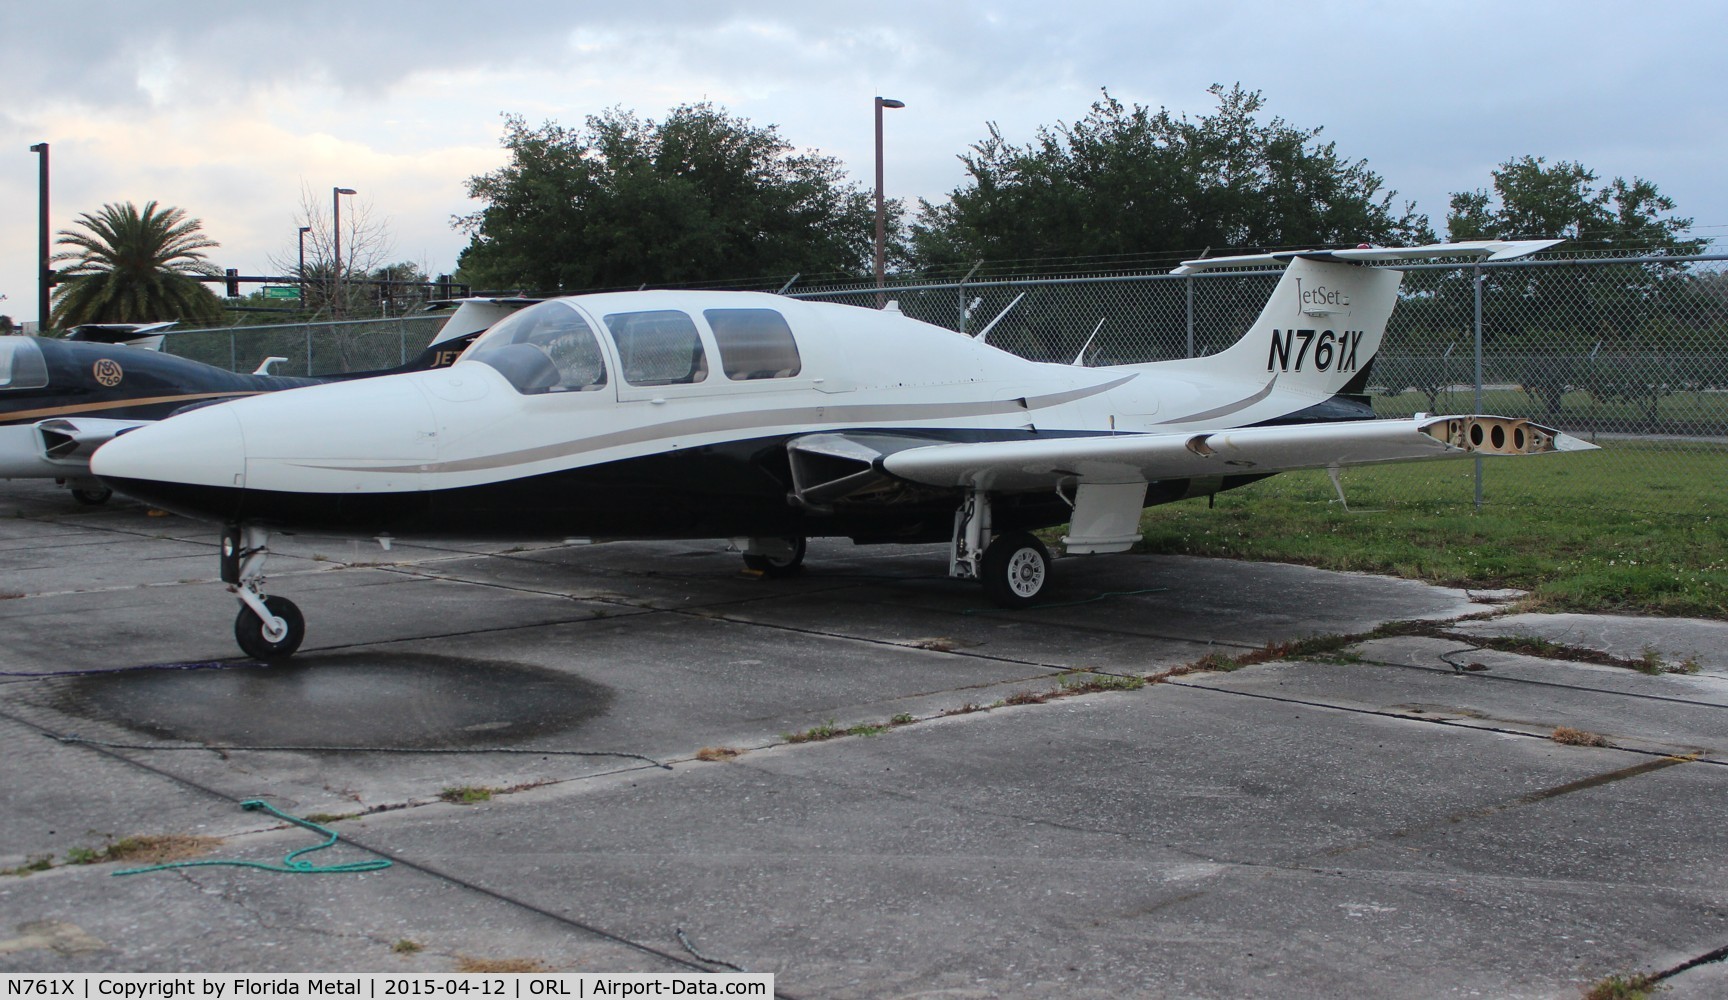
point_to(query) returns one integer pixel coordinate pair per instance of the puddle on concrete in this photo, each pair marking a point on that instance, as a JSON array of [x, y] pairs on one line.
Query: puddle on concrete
[[343, 700]]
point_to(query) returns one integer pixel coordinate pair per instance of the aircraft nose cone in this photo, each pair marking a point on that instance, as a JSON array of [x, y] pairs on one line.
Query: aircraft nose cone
[[192, 464]]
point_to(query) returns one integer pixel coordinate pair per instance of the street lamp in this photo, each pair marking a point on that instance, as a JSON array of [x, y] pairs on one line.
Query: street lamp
[[336, 245], [301, 274], [881, 102], [44, 276]]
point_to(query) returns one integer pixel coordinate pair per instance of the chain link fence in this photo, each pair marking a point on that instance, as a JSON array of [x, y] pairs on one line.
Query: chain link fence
[[1629, 353], [329, 348]]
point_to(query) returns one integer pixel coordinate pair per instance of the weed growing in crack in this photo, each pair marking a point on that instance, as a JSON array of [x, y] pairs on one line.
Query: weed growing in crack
[[1578, 737], [1636, 986], [815, 734]]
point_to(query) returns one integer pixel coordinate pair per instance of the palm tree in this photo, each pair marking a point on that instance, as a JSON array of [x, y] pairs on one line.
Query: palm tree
[[132, 267]]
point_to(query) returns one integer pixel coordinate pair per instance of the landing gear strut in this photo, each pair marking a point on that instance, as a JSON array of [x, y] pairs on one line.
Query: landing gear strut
[[268, 628], [1014, 567]]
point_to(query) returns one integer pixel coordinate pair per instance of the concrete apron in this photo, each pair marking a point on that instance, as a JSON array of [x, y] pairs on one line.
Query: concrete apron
[[1393, 818]]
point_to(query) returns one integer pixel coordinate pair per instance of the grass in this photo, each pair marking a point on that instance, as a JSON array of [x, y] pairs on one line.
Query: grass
[[1630, 528], [1703, 410], [37, 863], [1630, 987], [815, 734], [466, 795], [146, 850]]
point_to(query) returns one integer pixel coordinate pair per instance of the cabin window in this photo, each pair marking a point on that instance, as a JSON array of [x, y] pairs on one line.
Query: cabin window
[[754, 343], [21, 364], [545, 348], [658, 347]]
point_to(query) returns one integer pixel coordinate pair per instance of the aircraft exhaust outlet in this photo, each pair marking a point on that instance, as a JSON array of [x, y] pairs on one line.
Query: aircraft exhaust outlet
[[1494, 435]]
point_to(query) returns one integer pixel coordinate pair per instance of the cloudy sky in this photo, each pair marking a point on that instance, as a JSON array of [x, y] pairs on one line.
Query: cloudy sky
[[235, 111]]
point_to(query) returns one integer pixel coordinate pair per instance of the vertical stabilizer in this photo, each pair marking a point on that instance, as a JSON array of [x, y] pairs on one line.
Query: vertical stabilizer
[[1319, 330]]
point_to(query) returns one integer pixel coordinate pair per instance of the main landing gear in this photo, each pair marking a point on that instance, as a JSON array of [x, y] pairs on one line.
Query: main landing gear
[[268, 628], [1014, 567], [772, 557], [89, 492]]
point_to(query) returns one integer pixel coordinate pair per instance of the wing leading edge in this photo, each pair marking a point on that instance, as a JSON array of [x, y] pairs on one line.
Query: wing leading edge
[[1051, 463]]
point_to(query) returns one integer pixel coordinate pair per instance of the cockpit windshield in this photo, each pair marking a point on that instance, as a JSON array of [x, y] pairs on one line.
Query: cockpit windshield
[[21, 364], [547, 347]]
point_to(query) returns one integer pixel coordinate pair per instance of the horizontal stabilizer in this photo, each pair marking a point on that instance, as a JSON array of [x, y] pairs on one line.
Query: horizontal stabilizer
[[1491, 250]]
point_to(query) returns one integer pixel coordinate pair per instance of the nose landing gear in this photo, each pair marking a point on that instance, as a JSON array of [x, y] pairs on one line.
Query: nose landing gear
[[268, 628]]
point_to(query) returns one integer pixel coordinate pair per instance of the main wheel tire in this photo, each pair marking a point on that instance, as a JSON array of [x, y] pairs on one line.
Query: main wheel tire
[[91, 496], [249, 630], [1015, 570], [778, 566]]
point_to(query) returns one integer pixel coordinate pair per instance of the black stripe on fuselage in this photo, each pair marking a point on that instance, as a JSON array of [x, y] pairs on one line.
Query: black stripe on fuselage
[[736, 488]]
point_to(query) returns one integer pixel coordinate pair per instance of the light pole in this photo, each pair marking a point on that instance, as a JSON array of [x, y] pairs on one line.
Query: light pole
[[881, 102], [336, 246], [301, 274], [44, 276]]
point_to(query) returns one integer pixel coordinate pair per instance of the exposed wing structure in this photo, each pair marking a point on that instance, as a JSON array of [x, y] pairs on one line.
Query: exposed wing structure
[[1050, 463], [71, 440]]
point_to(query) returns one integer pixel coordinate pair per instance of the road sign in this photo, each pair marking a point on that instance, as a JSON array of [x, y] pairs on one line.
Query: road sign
[[281, 292]]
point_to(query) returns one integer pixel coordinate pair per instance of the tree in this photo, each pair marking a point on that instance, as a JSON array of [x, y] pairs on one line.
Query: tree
[[1582, 329], [135, 267], [701, 196], [399, 288], [1534, 200], [365, 244], [1132, 181]]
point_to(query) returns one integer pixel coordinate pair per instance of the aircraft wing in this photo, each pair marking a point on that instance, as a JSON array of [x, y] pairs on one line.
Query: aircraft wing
[[70, 440], [1047, 463]]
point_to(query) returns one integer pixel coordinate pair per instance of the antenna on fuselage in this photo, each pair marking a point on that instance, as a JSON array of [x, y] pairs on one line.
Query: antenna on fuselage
[[1080, 359], [992, 324]]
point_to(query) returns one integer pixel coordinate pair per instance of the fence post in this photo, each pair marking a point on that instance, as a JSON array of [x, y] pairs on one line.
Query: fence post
[[1188, 281], [1476, 279]]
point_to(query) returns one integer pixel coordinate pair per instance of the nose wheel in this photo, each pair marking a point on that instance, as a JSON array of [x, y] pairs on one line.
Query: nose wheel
[[774, 557], [273, 638], [268, 628]]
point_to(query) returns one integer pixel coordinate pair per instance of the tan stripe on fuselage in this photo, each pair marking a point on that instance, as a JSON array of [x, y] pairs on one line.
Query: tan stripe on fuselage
[[19, 416]]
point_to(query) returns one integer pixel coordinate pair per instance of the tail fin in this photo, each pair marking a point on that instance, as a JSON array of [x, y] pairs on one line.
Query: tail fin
[[1319, 331], [1324, 322], [471, 318]]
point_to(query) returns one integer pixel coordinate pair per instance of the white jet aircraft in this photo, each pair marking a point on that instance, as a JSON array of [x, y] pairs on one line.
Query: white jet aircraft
[[769, 420]]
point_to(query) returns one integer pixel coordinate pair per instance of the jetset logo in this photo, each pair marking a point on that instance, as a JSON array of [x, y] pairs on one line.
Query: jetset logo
[[1321, 297]]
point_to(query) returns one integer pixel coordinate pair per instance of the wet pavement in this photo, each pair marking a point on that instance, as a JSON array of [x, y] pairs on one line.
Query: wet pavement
[[581, 758]]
